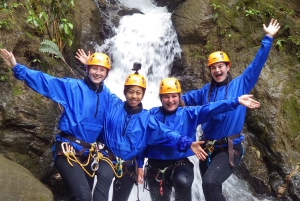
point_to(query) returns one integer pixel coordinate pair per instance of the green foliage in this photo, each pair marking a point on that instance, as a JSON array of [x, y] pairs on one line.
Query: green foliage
[[279, 43], [269, 13], [4, 24], [3, 78], [216, 8], [52, 18], [4, 8], [50, 47], [38, 21], [252, 13], [65, 29], [255, 13]]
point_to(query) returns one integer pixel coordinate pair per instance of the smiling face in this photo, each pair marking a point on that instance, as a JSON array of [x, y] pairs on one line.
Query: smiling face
[[219, 71], [170, 102], [134, 95], [97, 74]]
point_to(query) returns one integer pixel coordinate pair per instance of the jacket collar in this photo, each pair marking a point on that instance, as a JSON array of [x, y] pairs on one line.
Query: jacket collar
[[166, 112], [129, 109], [92, 86]]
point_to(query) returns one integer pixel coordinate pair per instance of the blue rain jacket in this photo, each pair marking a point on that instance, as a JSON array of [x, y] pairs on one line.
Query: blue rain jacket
[[83, 103], [128, 132], [185, 120], [230, 123]]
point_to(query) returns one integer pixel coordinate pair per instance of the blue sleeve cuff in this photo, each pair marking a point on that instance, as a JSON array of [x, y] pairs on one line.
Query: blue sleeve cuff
[[140, 163], [184, 143], [235, 103]]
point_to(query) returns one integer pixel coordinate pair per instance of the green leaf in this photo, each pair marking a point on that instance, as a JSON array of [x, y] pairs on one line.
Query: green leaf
[[48, 46]]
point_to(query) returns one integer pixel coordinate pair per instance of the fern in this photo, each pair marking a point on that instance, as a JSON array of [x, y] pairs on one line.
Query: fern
[[48, 46]]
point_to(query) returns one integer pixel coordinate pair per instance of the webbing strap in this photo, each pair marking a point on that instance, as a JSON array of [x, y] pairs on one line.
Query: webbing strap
[[231, 152], [75, 140]]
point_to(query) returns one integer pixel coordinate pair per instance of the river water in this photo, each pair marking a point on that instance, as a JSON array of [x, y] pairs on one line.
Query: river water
[[151, 40]]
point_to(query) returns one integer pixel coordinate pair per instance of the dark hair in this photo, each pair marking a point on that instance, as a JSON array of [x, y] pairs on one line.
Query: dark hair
[[213, 83], [127, 87]]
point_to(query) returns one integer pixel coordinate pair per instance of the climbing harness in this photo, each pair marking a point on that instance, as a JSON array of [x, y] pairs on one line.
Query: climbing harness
[[94, 155], [125, 168], [160, 175], [160, 180], [210, 145], [119, 166]]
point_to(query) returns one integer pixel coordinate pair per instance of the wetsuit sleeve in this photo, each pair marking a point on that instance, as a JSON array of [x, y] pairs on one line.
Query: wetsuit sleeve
[[193, 97], [252, 72], [49, 86], [160, 133], [206, 112]]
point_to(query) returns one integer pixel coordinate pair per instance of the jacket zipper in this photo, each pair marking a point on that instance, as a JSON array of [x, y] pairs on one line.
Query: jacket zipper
[[98, 98], [126, 123]]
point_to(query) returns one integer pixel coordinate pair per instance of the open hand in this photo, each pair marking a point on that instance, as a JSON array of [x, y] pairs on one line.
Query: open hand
[[140, 175], [8, 57], [272, 29], [247, 101], [81, 56], [198, 151]]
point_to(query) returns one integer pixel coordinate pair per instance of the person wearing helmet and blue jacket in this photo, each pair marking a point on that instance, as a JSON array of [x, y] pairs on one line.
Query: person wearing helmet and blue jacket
[[84, 102], [167, 167], [225, 129]]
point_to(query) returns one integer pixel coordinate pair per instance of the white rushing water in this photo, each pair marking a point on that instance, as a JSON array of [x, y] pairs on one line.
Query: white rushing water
[[151, 40]]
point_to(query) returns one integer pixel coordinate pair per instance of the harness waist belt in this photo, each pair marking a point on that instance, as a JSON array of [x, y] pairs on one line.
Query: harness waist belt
[[112, 157], [75, 140], [225, 140], [229, 141]]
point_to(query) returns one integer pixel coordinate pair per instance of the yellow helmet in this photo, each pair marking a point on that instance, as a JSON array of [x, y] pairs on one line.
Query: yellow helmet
[[135, 80], [218, 56], [99, 59], [169, 85]]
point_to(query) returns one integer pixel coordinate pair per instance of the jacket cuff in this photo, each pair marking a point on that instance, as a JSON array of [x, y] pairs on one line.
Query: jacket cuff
[[184, 143]]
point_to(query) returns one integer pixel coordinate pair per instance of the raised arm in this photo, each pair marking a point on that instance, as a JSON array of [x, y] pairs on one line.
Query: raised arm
[[56, 89], [8, 57], [248, 101], [81, 56], [272, 29], [252, 72]]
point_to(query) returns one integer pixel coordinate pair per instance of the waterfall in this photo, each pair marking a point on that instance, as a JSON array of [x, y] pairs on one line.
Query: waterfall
[[150, 39]]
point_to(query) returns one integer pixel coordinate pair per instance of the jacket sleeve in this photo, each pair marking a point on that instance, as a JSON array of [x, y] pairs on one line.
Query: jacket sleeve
[[140, 160], [112, 98], [193, 97], [206, 112], [49, 86], [160, 133], [252, 72]]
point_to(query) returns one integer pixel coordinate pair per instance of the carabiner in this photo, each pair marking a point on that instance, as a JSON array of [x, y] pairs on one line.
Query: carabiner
[[94, 165]]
